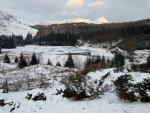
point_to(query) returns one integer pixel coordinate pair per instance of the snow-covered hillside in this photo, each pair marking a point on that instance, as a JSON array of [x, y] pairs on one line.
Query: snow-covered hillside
[[10, 25], [50, 81], [107, 103]]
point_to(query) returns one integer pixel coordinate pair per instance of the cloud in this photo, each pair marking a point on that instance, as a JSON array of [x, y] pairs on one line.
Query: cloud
[[74, 3], [96, 3], [148, 2], [35, 11], [99, 20]]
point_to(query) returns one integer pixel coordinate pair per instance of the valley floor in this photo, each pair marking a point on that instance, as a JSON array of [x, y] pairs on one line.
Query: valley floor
[[109, 102]]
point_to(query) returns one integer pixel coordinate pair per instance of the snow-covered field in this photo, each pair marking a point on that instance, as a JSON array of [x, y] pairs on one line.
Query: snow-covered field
[[57, 53], [141, 56], [108, 102]]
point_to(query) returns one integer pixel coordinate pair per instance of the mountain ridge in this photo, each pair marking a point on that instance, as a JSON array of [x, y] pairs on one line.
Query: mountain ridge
[[9, 25]]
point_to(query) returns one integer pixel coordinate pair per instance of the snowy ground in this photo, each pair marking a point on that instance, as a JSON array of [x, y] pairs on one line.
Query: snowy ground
[[106, 103], [10, 25], [57, 53], [141, 56]]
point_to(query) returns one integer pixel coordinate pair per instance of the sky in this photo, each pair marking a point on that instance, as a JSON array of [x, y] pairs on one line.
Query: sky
[[97, 11]]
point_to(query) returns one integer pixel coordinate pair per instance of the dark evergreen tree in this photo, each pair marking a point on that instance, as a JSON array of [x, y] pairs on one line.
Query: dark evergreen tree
[[69, 63], [88, 61], [92, 60], [103, 60], [49, 62], [148, 60], [6, 59], [16, 60], [0, 50], [108, 63], [119, 60], [28, 39], [58, 64], [34, 60], [98, 59], [22, 62]]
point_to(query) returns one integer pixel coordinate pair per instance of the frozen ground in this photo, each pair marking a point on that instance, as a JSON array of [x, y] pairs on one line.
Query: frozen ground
[[141, 56], [57, 53], [106, 103]]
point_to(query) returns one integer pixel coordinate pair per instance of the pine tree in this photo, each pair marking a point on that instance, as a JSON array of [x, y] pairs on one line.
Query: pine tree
[[108, 62], [119, 60], [34, 60], [0, 50], [69, 63], [88, 61], [148, 60], [16, 60], [6, 59], [103, 60], [98, 59], [28, 39], [49, 62], [22, 62], [58, 64]]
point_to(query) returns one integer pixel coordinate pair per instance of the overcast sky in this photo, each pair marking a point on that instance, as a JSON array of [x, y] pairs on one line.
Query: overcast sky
[[38, 11]]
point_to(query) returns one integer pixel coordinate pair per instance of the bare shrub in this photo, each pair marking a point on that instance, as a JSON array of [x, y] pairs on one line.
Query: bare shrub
[[38, 97]]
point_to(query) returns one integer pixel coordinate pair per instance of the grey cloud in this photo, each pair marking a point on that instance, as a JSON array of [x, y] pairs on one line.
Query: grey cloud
[[35, 11]]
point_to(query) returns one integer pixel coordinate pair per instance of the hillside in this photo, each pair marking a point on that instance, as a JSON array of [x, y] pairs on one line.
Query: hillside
[[138, 32], [10, 25], [56, 103]]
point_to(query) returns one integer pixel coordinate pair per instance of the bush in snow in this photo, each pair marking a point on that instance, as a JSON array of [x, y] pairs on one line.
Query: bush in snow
[[6, 59], [75, 86], [143, 90], [123, 86], [29, 96], [39, 96], [126, 90], [69, 63], [2, 103], [119, 60], [80, 86], [34, 60]]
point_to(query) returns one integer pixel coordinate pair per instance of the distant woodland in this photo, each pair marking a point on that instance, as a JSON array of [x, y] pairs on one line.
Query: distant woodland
[[134, 35]]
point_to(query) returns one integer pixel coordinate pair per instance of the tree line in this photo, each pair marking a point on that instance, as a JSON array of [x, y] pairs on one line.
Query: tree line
[[22, 62], [69, 34]]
